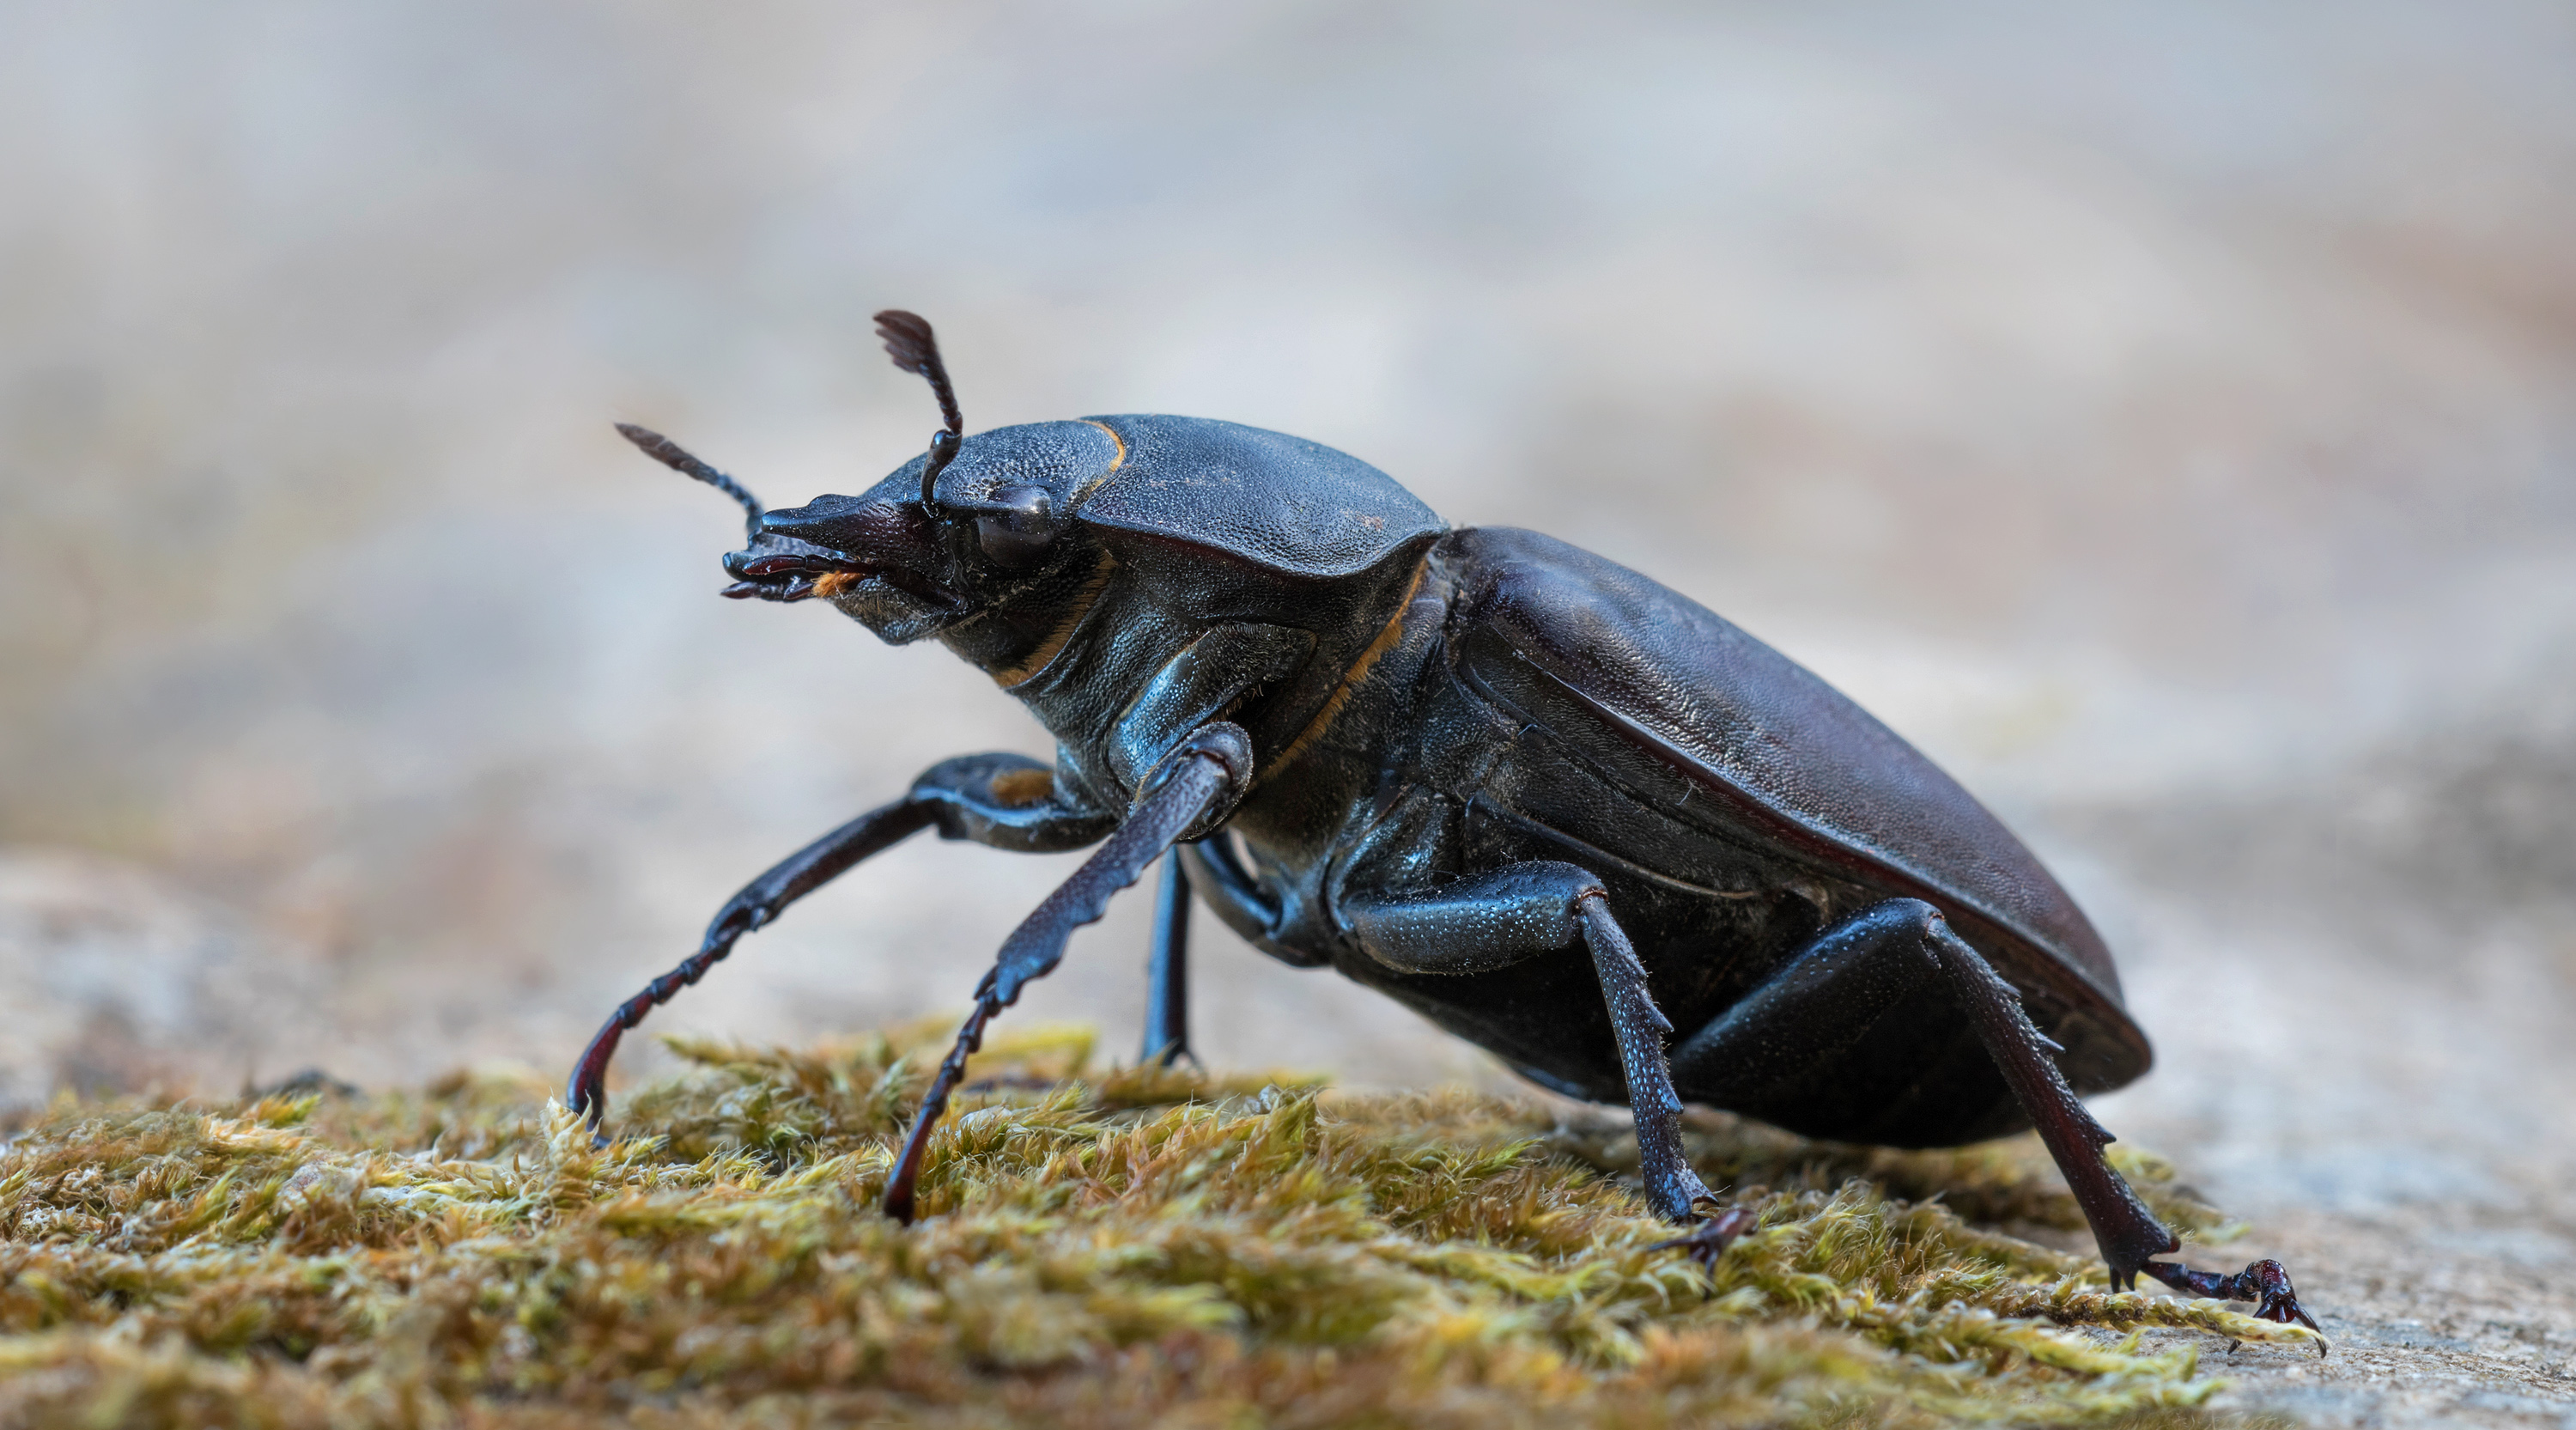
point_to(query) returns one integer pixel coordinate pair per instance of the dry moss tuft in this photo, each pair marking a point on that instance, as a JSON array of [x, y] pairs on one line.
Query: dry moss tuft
[[1098, 1248]]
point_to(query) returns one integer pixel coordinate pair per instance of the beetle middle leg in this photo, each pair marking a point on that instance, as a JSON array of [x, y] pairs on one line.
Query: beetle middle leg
[[1526, 909], [1799, 1032], [1167, 969]]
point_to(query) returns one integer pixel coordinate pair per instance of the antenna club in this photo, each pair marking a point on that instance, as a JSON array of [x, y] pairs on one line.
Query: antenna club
[[915, 348]]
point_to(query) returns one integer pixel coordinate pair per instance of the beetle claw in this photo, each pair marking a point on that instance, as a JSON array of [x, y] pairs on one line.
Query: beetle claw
[[2265, 1283], [1710, 1237], [2276, 1300]]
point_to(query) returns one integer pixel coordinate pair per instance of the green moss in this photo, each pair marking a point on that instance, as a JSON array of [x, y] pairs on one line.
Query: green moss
[[1111, 1248]]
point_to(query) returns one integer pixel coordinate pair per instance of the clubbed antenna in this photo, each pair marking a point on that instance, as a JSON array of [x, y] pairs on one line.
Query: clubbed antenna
[[672, 455], [909, 341]]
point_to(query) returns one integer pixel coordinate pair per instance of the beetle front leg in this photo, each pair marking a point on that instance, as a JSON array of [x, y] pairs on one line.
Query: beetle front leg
[[1526, 909], [1199, 783], [1007, 801]]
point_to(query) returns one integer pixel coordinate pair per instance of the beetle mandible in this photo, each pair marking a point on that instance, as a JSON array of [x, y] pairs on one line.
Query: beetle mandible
[[1550, 805]]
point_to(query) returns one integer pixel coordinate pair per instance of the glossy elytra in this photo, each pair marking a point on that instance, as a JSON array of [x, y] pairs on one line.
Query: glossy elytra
[[1554, 807]]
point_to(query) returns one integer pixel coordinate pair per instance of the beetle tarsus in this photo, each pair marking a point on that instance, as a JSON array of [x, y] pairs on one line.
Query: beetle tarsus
[[906, 1175], [2266, 1283], [586, 1092], [1708, 1240]]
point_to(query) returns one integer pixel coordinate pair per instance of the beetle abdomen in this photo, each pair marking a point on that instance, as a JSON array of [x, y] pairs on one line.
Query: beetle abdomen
[[1690, 716]]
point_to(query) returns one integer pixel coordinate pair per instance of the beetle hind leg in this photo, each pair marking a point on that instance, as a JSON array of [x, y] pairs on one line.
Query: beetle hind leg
[[2265, 1283], [1858, 991]]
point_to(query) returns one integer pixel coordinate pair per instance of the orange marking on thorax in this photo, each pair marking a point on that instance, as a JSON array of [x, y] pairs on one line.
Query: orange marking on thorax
[[1115, 462], [1115, 440], [1054, 643], [1387, 636]]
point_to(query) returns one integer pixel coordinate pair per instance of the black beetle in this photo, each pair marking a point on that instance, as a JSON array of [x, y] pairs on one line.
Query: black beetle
[[1543, 801]]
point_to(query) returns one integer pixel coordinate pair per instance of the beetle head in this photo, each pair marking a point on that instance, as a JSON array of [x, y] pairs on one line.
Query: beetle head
[[962, 529], [996, 532], [1017, 521]]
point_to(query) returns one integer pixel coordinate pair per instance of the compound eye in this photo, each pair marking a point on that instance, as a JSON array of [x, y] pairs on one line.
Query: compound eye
[[1016, 526]]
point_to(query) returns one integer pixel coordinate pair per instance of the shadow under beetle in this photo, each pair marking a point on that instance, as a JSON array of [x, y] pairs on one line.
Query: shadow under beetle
[[1534, 796]]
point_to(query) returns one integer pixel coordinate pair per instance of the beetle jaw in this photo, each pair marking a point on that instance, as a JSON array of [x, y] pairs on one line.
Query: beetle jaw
[[902, 573], [898, 605], [871, 560], [897, 615]]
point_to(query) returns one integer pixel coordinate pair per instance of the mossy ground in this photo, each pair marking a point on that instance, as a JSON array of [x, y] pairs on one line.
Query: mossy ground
[[1096, 1248]]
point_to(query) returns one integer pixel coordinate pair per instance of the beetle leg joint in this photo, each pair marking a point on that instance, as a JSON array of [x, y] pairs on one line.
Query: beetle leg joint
[[1018, 789]]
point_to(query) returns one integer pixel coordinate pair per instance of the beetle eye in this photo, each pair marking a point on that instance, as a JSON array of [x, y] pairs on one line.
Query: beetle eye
[[1015, 527]]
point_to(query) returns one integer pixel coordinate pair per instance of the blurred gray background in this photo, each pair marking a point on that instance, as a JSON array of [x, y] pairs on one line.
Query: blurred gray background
[[2164, 414]]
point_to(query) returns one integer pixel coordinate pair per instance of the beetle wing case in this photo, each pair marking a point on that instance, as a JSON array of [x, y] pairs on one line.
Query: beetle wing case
[[1760, 743]]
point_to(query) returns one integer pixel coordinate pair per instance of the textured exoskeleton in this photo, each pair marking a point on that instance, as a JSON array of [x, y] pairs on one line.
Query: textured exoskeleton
[[1556, 808]]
